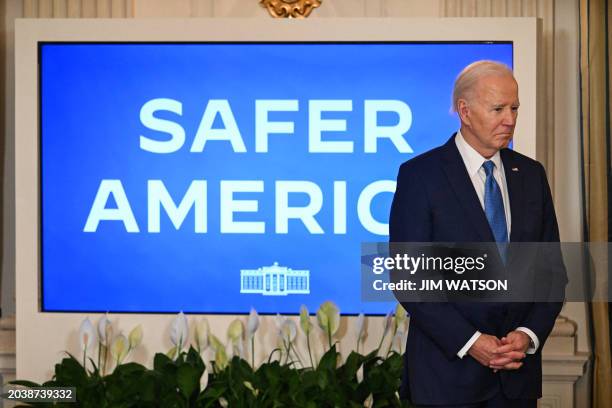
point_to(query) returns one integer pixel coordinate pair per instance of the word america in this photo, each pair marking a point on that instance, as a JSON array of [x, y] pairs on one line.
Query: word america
[[173, 138], [196, 198]]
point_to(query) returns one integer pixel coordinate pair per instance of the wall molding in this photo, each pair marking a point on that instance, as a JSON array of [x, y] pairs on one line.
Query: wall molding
[[78, 8]]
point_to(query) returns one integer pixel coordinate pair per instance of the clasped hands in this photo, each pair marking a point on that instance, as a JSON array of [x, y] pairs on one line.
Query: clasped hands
[[501, 354]]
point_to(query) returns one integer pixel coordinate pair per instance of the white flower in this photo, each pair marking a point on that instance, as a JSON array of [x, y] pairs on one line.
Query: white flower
[[360, 327], [305, 322], [399, 336], [359, 374], [171, 353], [278, 321], [119, 348], [204, 380], [238, 349], [400, 317], [135, 337], [235, 331], [288, 330], [369, 402], [86, 334], [328, 317], [179, 331], [221, 358], [252, 323], [201, 335], [214, 342], [105, 330], [388, 322], [223, 402]]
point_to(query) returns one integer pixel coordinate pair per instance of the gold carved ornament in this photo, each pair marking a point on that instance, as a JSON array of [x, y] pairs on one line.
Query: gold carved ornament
[[290, 8]]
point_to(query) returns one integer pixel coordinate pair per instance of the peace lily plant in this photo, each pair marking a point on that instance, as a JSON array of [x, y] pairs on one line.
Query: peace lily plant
[[197, 372]]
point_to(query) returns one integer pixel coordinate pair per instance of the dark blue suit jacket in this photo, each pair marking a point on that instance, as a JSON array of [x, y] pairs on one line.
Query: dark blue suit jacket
[[435, 201]]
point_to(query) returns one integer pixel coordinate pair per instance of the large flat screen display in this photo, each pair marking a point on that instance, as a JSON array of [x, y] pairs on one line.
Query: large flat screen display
[[216, 177]]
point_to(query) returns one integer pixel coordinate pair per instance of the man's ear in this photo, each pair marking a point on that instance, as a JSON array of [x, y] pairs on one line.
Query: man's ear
[[463, 110]]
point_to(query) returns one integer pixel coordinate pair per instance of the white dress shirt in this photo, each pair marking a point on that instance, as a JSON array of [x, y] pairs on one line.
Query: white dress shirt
[[473, 163]]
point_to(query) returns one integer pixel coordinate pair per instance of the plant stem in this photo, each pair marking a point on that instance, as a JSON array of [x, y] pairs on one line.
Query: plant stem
[[85, 357], [106, 357], [99, 351], [299, 360], [287, 350], [253, 351], [381, 342], [105, 349], [392, 339], [309, 351], [272, 353]]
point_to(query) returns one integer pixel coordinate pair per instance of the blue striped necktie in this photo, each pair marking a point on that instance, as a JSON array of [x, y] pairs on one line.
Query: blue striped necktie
[[494, 207]]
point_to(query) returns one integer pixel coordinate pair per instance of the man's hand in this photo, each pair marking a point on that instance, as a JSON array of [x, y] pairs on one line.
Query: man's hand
[[512, 350], [483, 349]]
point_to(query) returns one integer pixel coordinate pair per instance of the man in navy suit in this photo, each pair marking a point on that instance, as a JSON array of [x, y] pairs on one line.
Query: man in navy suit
[[475, 189]]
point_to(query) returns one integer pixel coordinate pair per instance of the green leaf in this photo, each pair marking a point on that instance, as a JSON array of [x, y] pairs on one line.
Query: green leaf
[[353, 362], [322, 380], [146, 387], [70, 372], [129, 369], [160, 361], [24, 383], [188, 380], [193, 358], [172, 401], [329, 360]]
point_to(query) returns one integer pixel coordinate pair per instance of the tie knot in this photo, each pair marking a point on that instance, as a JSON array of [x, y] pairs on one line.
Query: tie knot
[[488, 167]]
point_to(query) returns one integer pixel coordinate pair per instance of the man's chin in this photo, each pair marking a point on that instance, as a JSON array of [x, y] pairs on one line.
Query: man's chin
[[504, 142]]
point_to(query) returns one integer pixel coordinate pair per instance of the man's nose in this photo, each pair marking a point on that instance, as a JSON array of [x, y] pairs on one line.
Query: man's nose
[[509, 118]]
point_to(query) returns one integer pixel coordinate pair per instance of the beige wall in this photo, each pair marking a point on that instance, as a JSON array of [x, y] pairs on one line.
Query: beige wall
[[558, 141]]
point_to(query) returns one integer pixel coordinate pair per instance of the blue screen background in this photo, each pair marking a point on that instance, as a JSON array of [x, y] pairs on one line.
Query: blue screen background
[[91, 96]]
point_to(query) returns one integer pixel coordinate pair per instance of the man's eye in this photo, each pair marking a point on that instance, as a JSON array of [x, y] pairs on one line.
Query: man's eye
[[497, 109], [515, 108]]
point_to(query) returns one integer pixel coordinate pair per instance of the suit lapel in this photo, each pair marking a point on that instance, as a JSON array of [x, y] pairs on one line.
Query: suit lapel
[[514, 180], [464, 190]]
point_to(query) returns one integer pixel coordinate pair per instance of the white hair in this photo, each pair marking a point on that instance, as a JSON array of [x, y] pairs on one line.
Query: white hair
[[468, 78]]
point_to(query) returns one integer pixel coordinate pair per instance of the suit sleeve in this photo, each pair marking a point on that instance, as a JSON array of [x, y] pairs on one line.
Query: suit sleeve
[[542, 316], [411, 221]]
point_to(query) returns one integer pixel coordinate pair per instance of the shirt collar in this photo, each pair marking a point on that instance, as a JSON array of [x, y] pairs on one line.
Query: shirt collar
[[471, 158]]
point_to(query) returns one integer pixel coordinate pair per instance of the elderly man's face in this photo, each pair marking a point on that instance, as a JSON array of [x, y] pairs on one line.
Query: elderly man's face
[[489, 117]]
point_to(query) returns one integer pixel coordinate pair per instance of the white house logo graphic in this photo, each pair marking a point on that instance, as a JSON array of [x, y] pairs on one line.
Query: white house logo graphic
[[275, 280]]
